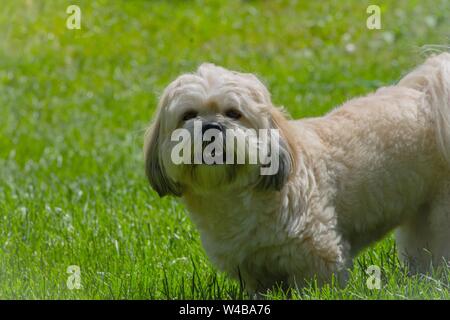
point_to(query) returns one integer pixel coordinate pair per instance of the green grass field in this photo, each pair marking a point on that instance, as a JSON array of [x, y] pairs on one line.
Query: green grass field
[[74, 105]]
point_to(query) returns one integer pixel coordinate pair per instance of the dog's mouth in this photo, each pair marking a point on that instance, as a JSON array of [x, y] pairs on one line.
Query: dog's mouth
[[215, 157], [220, 156]]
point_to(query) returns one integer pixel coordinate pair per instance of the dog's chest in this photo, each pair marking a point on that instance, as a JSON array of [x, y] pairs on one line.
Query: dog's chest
[[231, 230]]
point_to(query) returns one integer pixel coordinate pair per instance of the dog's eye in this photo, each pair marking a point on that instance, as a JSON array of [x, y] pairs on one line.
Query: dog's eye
[[233, 114], [189, 115]]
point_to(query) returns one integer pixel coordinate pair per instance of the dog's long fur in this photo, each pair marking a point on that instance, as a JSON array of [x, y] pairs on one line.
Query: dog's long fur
[[374, 164]]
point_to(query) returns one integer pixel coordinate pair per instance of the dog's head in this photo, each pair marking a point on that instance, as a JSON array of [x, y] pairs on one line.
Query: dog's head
[[206, 135]]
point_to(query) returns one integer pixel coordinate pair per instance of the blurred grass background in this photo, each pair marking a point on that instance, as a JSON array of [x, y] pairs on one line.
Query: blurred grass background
[[74, 105]]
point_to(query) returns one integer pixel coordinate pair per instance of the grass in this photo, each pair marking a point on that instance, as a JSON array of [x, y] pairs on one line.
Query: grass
[[74, 105]]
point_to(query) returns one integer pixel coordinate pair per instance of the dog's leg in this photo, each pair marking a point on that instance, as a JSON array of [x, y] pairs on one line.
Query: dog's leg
[[413, 245], [425, 240]]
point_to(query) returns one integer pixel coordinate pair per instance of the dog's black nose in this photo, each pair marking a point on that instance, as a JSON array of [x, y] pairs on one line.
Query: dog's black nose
[[211, 125]]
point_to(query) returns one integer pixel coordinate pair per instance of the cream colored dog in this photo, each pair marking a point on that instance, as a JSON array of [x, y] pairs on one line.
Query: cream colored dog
[[345, 180]]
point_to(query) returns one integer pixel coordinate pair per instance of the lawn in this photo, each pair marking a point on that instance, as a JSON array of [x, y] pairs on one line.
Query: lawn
[[74, 105]]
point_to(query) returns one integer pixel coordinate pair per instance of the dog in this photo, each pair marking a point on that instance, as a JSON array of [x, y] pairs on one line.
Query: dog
[[345, 180]]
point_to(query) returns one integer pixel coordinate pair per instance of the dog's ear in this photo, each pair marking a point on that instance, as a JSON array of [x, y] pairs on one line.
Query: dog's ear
[[154, 168], [287, 162]]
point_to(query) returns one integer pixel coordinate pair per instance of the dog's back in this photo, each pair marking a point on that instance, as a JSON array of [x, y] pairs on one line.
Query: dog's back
[[433, 78]]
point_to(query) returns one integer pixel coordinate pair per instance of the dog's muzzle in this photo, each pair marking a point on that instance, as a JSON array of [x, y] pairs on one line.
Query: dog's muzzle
[[212, 125], [218, 127]]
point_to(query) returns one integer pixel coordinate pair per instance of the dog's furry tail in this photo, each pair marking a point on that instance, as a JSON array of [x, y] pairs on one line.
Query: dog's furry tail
[[433, 78]]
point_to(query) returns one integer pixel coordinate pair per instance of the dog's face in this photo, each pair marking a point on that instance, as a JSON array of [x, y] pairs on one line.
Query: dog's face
[[218, 107]]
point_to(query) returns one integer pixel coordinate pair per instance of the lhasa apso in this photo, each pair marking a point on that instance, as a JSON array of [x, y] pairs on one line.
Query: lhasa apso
[[343, 181]]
